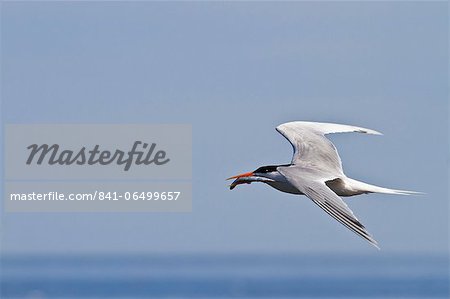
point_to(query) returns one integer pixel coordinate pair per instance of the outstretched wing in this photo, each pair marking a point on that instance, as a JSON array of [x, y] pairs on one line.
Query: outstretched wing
[[311, 148], [315, 188]]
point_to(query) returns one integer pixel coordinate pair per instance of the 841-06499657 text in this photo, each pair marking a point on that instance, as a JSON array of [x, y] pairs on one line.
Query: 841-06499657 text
[[98, 195]]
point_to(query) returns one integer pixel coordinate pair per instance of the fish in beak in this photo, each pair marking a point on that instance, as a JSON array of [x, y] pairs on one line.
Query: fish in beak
[[244, 178]]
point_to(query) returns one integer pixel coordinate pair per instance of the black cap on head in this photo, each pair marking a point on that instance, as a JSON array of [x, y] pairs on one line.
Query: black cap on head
[[266, 169]]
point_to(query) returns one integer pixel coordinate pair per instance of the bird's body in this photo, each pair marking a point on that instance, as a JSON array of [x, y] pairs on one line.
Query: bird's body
[[316, 171]]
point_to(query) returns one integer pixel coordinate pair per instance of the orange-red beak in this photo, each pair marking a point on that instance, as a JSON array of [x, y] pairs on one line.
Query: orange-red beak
[[241, 175]]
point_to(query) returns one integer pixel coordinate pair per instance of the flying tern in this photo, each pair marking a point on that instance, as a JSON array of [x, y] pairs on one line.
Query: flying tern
[[316, 171]]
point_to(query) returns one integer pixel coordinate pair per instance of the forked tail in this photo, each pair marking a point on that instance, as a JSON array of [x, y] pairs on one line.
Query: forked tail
[[367, 188]]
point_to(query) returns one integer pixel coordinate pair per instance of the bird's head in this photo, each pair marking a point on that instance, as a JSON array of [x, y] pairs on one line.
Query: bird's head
[[262, 174]]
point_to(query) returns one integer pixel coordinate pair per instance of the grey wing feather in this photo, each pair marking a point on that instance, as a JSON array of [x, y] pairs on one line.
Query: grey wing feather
[[327, 128], [312, 148], [316, 189]]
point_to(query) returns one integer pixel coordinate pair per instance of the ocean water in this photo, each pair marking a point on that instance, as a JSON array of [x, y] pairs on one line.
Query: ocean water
[[225, 276]]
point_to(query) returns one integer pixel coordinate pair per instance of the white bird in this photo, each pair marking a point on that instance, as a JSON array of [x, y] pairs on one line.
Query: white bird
[[316, 171]]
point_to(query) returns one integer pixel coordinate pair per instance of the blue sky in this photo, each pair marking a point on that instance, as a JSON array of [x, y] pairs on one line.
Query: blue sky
[[235, 71]]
